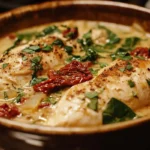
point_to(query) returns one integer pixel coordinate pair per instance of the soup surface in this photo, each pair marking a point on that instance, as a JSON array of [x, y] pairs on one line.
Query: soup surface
[[75, 73]]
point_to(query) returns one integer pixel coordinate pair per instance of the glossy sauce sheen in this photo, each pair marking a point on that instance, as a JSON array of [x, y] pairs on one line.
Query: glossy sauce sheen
[[74, 74]]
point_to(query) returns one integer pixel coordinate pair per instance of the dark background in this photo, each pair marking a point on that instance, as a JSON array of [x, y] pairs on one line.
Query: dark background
[[6, 5]]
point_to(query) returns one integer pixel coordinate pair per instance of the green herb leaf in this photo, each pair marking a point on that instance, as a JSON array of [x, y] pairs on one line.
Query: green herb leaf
[[19, 96], [5, 95], [91, 95], [93, 104], [131, 83], [31, 49], [122, 69], [148, 81], [37, 80], [58, 42], [47, 48], [129, 66], [35, 65], [117, 111], [68, 49], [94, 71], [5, 65], [24, 58], [103, 64], [51, 100], [50, 30], [112, 37]]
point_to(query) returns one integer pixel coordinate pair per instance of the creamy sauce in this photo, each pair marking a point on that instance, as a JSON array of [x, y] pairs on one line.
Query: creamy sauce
[[69, 106]]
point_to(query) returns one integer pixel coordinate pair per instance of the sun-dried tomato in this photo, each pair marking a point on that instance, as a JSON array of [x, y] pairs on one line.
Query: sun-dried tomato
[[12, 36], [8, 111], [71, 74], [141, 51], [71, 33]]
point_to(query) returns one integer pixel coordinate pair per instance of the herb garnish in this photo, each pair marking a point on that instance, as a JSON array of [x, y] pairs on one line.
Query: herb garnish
[[36, 66], [37, 80], [117, 111], [93, 96], [19, 96], [5, 95], [68, 49], [31, 49], [148, 81], [51, 100], [5, 65], [131, 83], [124, 51]]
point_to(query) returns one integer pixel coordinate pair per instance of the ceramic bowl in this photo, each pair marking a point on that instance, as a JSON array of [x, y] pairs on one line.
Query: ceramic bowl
[[120, 136]]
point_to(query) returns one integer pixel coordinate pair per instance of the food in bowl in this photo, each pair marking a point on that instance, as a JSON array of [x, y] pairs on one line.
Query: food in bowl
[[75, 73]]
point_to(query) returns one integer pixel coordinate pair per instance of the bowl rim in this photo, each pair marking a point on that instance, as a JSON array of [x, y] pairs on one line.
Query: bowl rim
[[48, 130]]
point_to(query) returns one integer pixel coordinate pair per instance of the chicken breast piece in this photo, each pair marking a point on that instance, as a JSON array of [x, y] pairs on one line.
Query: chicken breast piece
[[112, 81]]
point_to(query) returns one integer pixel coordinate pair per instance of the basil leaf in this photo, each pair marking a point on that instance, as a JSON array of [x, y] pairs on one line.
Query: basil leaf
[[68, 49], [148, 81], [93, 104], [5, 65], [37, 80], [50, 30], [24, 58], [47, 48], [58, 42], [91, 95], [103, 64], [19, 96], [112, 37], [131, 83], [36, 66], [5, 95], [51, 100], [117, 111], [129, 66], [124, 51], [94, 71]]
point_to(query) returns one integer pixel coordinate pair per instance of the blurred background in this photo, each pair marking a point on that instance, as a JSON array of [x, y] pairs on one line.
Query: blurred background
[[6, 5]]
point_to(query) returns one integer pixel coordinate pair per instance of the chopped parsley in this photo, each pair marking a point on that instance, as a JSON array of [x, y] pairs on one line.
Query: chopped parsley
[[51, 100], [93, 96], [35, 65], [5, 95], [19, 96], [129, 66], [131, 83], [117, 111], [24, 58], [5, 65], [31, 49], [68, 49], [148, 81], [37, 80], [103, 64], [94, 71]]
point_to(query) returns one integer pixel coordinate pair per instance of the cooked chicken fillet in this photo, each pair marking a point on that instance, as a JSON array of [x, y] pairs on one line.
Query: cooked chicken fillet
[[112, 81]]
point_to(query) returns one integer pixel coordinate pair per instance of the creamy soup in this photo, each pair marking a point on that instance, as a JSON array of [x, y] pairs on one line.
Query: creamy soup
[[75, 73]]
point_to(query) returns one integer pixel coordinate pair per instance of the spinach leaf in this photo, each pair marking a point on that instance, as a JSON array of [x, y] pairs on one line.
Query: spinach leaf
[[37, 80], [5, 65], [68, 49], [148, 81], [112, 37], [51, 100], [124, 51], [19, 96], [36, 66], [117, 111], [48, 30], [93, 96], [5, 95]]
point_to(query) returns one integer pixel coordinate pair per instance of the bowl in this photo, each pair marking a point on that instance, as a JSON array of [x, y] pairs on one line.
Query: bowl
[[126, 135]]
